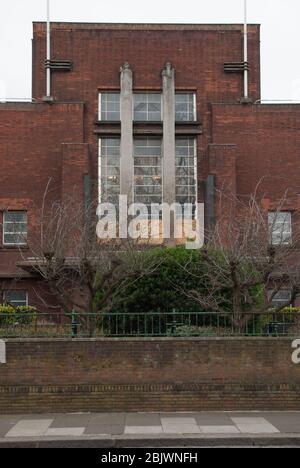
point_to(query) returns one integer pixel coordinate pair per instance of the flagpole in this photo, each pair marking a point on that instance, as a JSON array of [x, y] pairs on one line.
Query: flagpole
[[246, 90], [48, 58]]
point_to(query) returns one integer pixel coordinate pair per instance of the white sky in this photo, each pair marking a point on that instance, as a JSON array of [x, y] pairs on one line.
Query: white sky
[[279, 19]]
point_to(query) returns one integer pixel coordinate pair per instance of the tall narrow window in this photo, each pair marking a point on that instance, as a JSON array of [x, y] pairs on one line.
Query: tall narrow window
[[185, 107], [15, 228], [109, 170], [147, 107], [280, 228], [109, 107], [148, 171], [16, 298], [186, 171]]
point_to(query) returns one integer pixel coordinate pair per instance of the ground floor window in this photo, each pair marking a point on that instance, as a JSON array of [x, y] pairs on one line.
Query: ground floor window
[[16, 297], [281, 298]]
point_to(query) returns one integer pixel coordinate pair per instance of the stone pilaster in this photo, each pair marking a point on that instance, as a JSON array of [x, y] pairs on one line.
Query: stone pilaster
[[168, 81], [126, 150]]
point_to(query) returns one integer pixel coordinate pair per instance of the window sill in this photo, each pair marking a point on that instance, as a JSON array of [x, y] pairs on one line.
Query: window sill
[[145, 122], [188, 122], [107, 122], [9, 248]]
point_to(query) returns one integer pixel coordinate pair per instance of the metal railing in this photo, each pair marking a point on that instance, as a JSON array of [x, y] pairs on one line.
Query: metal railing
[[156, 324]]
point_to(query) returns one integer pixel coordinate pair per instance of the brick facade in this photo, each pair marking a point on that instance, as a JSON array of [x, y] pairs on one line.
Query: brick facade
[[57, 144], [149, 375]]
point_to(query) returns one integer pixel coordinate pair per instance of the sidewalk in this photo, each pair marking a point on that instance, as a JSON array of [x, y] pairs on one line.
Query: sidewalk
[[151, 429]]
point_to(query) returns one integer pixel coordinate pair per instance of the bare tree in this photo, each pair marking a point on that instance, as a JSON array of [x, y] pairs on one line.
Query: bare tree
[[249, 257], [80, 270]]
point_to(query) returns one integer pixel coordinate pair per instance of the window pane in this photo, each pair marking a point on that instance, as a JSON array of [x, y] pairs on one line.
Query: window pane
[[185, 107], [148, 171], [15, 216], [147, 107], [15, 239], [110, 106], [109, 170], [280, 228], [15, 227], [186, 177], [17, 298], [282, 297]]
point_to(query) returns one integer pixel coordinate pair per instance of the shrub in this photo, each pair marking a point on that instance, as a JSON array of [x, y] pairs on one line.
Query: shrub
[[167, 287], [17, 315], [161, 290], [190, 331]]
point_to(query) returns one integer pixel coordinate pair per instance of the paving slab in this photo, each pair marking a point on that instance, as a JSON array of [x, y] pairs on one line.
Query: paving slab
[[143, 430], [102, 429], [64, 431], [12, 418], [173, 420], [213, 419], [141, 419], [180, 425], [178, 415], [30, 428], [5, 427], [39, 416], [219, 430], [71, 420], [254, 425], [286, 422], [108, 418]]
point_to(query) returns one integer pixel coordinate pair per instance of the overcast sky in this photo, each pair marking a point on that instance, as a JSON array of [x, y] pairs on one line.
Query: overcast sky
[[279, 19]]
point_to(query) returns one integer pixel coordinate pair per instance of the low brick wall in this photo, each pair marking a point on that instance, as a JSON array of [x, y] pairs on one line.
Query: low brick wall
[[149, 375]]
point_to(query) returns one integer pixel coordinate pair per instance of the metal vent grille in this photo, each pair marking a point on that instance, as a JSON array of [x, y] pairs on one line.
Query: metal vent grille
[[58, 65], [236, 67]]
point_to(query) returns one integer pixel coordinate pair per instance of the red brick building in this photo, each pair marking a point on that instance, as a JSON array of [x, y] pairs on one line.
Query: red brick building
[[84, 140]]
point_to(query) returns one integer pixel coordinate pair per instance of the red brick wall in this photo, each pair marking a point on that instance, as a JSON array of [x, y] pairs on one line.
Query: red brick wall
[[197, 52], [76, 165], [267, 139], [240, 144], [32, 137], [40, 145], [149, 374]]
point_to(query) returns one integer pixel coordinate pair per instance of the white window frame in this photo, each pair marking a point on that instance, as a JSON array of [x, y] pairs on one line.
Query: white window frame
[[161, 106], [272, 231], [10, 290], [100, 106], [17, 244], [194, 94], [100, 165], [195, 169], [148, 166]]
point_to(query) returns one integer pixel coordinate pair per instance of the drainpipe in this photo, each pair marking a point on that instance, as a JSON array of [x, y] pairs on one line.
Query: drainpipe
[[48, 97], [246, 91], [246, 99]]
